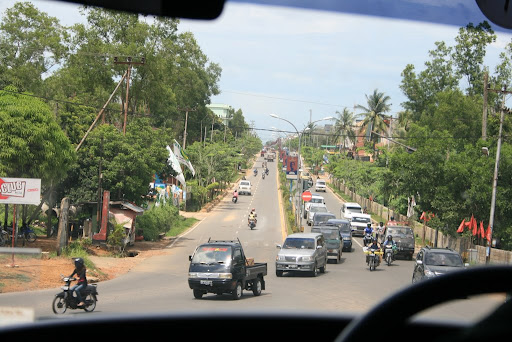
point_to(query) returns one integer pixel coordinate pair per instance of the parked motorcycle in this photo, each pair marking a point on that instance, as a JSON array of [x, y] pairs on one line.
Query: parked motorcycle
[[252, 223], [373, 258], [66, 299], [25, 232]]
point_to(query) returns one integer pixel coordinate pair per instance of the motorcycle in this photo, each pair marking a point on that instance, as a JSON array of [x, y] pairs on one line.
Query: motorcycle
[[234, 199], [373, 258], [266, 171], [389, 253], [25, 232], [263, 175], [66, 299], [252, 223], [367, 239], [255, 173]]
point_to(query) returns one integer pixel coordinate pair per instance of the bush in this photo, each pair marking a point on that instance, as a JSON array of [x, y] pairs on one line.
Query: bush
[[157, 220]]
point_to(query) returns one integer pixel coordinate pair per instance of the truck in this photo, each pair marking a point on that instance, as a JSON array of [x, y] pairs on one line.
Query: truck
[[270, 156], [221, 267]]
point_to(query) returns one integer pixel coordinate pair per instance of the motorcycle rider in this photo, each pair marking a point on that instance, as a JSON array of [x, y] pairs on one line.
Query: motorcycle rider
[[252, 216], [367, 231], [374, 245], [81, 271], [255, 172], [263, 175], [235, 195], [380, 230], [389, 241]]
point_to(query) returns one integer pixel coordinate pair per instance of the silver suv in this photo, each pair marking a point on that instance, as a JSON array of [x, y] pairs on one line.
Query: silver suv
[[302, 252]]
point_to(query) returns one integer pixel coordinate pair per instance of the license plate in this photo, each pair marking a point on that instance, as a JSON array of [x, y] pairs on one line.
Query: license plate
[[292, 266], [206, 282]]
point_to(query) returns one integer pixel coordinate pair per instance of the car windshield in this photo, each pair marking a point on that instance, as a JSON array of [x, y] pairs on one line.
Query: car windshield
[[443, 259], [299, 243], [400, 232], [360, 219], [329, 234], [212, 255], [123, 136]]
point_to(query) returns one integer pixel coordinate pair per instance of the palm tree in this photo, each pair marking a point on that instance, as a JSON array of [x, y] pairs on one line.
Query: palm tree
[[374, 115], [343, 127]]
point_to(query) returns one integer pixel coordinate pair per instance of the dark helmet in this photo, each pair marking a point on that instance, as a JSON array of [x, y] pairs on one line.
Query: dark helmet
[[390, 238], [392, 218], [79, 262], [369, 225]]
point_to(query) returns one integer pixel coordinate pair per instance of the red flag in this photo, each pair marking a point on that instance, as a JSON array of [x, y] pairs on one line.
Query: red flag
[[422, 217], [482, 230], [488, 234], [474, 225], [461, 227]]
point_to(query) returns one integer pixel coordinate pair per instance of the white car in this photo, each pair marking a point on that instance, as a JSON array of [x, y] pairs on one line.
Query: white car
[[320, 185], [313, 210], [359, 222], [350, 208], [315, 201], [244, 187]]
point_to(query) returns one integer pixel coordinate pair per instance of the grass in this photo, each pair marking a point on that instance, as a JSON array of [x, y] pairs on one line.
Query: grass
[[181, 225]]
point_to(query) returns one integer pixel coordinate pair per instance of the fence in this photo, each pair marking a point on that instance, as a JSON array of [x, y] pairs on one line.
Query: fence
[[464, 246]]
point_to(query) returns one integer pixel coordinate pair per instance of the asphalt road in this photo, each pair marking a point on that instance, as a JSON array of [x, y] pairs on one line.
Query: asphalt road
[[159, 284]]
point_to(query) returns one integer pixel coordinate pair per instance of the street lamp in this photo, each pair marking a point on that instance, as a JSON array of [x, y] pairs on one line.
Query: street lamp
[[298, 152]]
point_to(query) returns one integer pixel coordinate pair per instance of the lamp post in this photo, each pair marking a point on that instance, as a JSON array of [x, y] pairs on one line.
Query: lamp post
[[299, 208]]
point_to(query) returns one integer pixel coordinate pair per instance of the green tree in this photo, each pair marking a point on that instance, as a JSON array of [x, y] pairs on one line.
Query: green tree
[[377, 105], [343, 128], [32, 144]]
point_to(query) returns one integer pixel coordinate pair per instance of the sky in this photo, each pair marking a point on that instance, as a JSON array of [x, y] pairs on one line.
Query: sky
[[304, 64]]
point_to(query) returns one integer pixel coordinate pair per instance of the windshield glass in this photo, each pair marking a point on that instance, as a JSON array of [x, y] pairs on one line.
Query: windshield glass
[[443, 259], [360, 220], [123, 137], [299, 243], [329, 234], [212, 254]]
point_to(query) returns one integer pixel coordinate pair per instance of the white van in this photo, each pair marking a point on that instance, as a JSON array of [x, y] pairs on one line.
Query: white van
[[350, 208], [320, 185], [244, 187]]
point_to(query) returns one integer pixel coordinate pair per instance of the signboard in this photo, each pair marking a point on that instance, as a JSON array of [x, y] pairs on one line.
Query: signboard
[[291, 165], [20, 191], [306, 196]]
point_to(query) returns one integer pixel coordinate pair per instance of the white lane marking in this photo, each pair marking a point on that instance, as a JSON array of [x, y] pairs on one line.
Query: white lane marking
[[357, 243]]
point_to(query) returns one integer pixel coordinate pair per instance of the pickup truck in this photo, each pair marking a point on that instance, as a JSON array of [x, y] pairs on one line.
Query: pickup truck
[[221, 267], [244, 187], [270, 156]]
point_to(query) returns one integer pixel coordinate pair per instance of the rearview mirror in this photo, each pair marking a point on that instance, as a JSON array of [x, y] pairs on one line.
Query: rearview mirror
[[278, 246], [419, 262], [190, 258]]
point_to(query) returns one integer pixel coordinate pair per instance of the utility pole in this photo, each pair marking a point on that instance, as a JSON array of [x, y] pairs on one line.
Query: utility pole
[[129, 61], [484, 114], [496, 167], [186, 123]]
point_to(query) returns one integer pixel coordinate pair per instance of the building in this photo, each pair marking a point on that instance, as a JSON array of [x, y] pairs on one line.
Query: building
[[221, 110]]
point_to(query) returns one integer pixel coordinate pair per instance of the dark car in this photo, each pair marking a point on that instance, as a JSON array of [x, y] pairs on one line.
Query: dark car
[[331, 235], [404, 238], [321, 218], [345, 232], [432, 262]]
